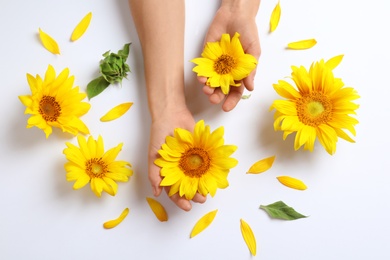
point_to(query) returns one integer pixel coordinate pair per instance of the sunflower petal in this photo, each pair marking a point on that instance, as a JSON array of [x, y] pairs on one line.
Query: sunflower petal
[[116, 112], [275, 17], [48, 42], [115, 222], [334, 62], [262, 165], [203, 223], [248, 236], [301, 45], [157, 209], [81, 27], [292, 182]]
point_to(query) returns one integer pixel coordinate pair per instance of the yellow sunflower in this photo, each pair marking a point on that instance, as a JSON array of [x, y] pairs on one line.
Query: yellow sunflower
[[55, 103], [195, 162], [320, 107], [90, 164], [224, 63]]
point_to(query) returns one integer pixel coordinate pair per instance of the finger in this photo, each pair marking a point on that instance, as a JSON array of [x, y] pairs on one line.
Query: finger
[[217, 96], [155, 179], [249, 82], [208, 90], [233, 98], [199, 198], [202, 80], [181, 202]]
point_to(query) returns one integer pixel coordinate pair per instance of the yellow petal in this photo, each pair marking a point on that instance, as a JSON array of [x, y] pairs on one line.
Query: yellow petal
[[292, 182], [301, 45], [157, 209], [334, 62], [262, 165], [48, 42], [81, 27], [275, 17], [115, 222], [248, 236], [116, 112], [203, 223]]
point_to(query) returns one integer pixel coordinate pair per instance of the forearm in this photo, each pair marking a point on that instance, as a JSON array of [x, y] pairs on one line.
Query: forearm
[[160, 27], [244, 7]]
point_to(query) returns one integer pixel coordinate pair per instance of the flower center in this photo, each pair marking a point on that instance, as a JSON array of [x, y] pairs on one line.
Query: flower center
[[194, 162], [314, 109], [96, 168], [49, 108], [224, 64]]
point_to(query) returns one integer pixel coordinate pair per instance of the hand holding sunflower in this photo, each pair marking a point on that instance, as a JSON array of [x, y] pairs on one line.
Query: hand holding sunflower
[[225, 22], [162, 127]]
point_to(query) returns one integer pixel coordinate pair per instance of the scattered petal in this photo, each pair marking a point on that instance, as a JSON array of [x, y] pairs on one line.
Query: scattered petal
[[157, 209], [203, 223], [81, 27], [262, 165], [48, 42], [246, 96], [292, 182], [248, 236], [334, 62], [302, 45], [116, 112], [275, 17], [281, 211], [115, 222]]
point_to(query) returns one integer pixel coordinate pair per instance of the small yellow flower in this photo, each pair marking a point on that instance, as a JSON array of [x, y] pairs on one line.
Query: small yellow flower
[[224, 63], [195, 162], [55, 103], [319, 107], [90, 164]]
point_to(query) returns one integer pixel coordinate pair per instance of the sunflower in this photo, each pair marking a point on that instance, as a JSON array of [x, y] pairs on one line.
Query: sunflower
[[195, 162], [320, 107], [224, 63], [90, 164], [55, 103]]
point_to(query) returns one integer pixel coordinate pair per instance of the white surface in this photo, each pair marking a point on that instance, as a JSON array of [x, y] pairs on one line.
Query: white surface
[[348, 196]]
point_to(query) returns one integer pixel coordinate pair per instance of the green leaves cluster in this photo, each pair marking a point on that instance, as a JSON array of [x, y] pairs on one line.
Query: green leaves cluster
[[113, 68], [281, 211]]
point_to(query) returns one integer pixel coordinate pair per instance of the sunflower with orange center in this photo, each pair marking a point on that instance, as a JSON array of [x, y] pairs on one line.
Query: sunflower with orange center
[[88, 163], [224, 63], [319, 107], [54, 102], [195, 162]]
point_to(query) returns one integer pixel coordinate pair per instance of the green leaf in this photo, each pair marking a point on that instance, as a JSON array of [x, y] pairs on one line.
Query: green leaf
[[281, 211], [124, 53], [96, 86]]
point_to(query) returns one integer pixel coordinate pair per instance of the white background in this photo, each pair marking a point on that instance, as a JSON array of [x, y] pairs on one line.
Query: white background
[[348, 194]]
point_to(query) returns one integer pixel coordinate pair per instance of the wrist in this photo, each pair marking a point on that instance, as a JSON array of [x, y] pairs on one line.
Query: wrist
[[168, 99], [241, 7]]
